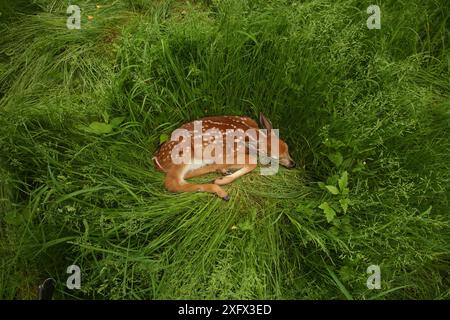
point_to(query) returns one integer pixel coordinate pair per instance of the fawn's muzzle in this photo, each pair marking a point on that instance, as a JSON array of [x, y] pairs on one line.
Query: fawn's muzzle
[[288, 163]]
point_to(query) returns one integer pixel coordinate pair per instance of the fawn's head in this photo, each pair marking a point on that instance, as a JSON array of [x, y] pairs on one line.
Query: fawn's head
[[283, 156]]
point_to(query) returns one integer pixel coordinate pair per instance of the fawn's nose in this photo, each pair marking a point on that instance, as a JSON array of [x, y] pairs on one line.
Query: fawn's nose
[[291, 165]]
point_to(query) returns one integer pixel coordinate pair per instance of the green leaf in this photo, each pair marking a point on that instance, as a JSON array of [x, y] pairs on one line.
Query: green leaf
[[105, 116], [336, 158], [345, 191], [83, 128], [100, 127], [344, 204], [428, 211], [163, 138], [336, 207], [115, 122], [305, 209], [330, 214], [332, 180], [343, 181], [245, 226], [332, 189], [336, 222]]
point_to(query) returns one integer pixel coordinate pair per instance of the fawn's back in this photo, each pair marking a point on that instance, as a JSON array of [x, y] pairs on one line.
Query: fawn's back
[[163, 158]]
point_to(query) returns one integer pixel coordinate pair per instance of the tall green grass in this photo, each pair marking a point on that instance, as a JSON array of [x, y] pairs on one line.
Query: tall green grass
[[372, 103]]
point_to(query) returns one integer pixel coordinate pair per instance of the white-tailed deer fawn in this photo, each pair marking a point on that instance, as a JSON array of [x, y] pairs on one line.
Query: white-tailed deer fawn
[[206, 152]]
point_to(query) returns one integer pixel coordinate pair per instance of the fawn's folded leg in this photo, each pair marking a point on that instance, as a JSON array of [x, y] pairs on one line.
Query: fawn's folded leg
[[175, 182]]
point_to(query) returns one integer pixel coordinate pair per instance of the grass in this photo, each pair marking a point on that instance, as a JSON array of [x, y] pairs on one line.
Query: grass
[[372, 105]]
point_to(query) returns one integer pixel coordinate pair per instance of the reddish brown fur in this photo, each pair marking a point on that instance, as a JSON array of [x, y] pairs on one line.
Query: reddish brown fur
[[177, 173]]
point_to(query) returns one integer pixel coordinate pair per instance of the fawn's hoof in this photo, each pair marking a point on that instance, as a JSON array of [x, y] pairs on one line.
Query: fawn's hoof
[[226, 198], [227, 172], [224, 172]]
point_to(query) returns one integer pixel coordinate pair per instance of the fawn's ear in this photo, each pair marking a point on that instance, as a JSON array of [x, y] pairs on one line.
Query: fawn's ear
[[265, 122]]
